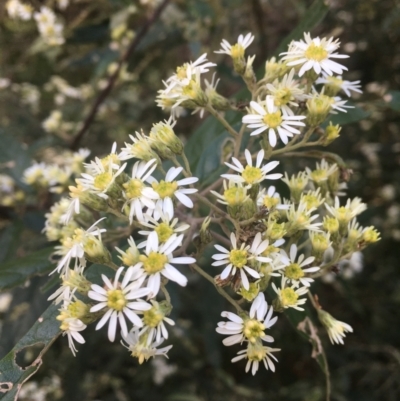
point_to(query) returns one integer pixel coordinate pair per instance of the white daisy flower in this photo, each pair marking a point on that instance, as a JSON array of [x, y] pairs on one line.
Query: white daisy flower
[[252, 174], [268, 117], [165, 227], [250, 328], [169, 188], [293, 270], [157, 262], [72, 327], [136, 193], [238, 259], [271, 199], [286, 93], [153, 322], [289, 297], [120, 300], [335, 328], [351, 209], [235, 194], [140, 148], [74, 247], [300, 217], [102, 177], [236, 50], [188, 71], [337, 84], [255, 353], [140, 348], [314, 54]]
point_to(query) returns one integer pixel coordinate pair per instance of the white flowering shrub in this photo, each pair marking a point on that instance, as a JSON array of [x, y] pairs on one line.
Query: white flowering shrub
[[132, 224]]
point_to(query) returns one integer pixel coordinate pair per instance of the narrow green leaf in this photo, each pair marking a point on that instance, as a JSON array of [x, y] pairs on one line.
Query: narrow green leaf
[[12, 376], [16, 272], [312, 17]]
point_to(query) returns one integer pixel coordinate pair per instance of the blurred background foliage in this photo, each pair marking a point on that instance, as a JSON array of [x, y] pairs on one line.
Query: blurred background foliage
[[199, 368]]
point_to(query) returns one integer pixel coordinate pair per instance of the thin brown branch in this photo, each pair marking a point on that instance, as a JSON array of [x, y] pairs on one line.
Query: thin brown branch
[[114, 77]]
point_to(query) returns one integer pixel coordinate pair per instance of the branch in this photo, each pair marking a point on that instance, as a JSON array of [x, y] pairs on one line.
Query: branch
[[114, 77]]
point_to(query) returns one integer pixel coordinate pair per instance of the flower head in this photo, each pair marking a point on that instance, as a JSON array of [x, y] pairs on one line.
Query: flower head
[[157, 262], [239, 259], [266, 116], [138, 195], [120, 300], [293, 267], [249, 328], [252, 174], [335, 328], [236, 50], [314, 54], [140, 347], [169, 189], [256, 353]]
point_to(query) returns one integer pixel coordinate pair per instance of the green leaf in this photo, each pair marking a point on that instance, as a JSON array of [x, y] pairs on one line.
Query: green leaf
[[312, 17], [13, 155], [9, 240], [352, 115], [43, 332], [16, 272]]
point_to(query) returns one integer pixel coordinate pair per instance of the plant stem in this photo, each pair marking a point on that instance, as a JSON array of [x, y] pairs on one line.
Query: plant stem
[[219, 289], [222, 120]]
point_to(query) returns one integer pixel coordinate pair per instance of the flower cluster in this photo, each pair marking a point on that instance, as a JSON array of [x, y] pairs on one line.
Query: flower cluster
[[127, 300], [266, 244]]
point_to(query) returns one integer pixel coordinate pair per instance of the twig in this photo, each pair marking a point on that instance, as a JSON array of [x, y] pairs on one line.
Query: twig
[[114, 77]]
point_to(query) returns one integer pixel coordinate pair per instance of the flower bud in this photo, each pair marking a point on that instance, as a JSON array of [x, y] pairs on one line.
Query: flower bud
[[251, 293], [275, 231], [318, 107], [95, 251], [371, 235], [163, 132], [331, 133]]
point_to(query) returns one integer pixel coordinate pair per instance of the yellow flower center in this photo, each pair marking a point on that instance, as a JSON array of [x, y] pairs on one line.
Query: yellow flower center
[[270, 201], [289, 297], [282, 96], [237, 51], [294, 271], [133, 188], [152, 317], [253, 329], [191, 89], [256, 352], [319, 175], [343, 214], [111, 158], [102, 181], [165, 189], [153, 263], [78, 309], [181, 71], [235, 195], [238, 257], [273, 120], [316, 53], [116, 300], [252, 174], [164, 232], [310, 201]]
